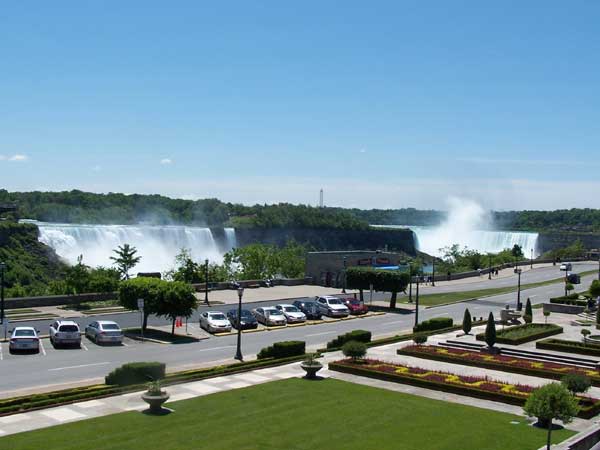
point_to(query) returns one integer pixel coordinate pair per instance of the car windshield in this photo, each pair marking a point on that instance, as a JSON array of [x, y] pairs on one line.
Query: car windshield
[[24, 333], [291, 309], [110, 326], [217, 316], [68, 328], [354, 302], [335, 301], [245, 314], [275, 312]]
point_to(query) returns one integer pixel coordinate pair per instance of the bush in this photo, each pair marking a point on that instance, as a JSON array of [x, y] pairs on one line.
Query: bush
[[420, 339], [467, 323], [283, 350], [490, 331], [569, 300], [437, 323], [136, 373], [528, 316], [355, 335], [354, 349], [523, 333], [576, 383]]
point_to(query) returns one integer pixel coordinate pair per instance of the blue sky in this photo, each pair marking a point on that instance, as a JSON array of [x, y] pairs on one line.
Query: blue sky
[[383, 104]]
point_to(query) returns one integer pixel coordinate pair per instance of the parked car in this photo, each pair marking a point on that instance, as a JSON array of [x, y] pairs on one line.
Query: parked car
[[104, 331], [332, 306], [309, 308], [247, 319], [566, 267], [24, 338], [355, 306], [270, 315], [65, 332], [291, 313], [214, 322]]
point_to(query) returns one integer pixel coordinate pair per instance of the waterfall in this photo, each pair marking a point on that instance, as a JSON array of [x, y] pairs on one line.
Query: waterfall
[[157, 245]]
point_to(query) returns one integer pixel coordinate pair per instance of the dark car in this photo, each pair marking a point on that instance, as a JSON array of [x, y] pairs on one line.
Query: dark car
[[248, 319], [355, 306], [309, 308]]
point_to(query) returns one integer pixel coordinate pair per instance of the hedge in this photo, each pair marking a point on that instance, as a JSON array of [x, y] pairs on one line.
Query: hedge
[[283, 349], [561, 345], [569, 301], [136, 373], [544, 330], [355, 335], [437, 323], [586, 412]]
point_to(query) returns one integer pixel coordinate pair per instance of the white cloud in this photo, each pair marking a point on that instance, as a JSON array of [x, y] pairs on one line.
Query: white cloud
[[165, 161], [536, 162], [14, 158]]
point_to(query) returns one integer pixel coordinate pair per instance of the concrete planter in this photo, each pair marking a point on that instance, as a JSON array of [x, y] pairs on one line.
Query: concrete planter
[[311, 370], [155, 401]]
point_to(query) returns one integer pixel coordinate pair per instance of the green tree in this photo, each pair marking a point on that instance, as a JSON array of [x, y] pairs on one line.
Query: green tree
[[549, 402], [177, 299], [569, 287], [546, 314], [467, 322], [252, 262], [126, 259], [490, 331], [517, 251], [528, 316], [358, 278], [186, 270], [355, 350], [595, 289], [148, 289], [77, 277], [576, 383], [104, 279], [292, 260], [585, 333]]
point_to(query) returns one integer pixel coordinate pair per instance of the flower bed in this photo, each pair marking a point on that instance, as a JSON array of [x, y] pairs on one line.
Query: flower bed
[[524, 333], [479, 387], [562, 345], [497, 362]]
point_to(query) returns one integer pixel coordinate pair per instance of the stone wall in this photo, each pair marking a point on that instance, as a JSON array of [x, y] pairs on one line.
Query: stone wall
[[554, 240]]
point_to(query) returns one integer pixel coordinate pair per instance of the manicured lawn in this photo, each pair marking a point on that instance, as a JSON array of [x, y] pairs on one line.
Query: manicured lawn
[[296, 414]]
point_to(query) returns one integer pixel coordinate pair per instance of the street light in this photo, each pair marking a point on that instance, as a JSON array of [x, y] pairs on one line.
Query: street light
[[519, 305], [433, 271], [206, 282], [417, 303], [490, 266], [345, 264], [238, 353], [409, 283], [531, 259]]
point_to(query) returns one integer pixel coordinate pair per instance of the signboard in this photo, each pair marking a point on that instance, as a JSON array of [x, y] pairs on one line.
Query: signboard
[[140, 303]]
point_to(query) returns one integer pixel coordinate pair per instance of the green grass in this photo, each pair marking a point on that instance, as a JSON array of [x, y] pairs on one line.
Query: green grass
[[20, 312], [454, 297], [296, 414], [526, 330]]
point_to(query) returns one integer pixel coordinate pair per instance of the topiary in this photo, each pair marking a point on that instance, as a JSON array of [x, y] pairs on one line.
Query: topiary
[[528, 316], [355, 350], [419, 339], [490, 331], [467, 322]]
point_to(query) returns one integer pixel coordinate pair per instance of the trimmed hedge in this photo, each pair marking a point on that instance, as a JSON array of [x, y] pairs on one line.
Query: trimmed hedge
[[283, 349], [543, 331], [355, 335], [136, 373], [569, 301], [437, 323], [561, 345], [587, 411]]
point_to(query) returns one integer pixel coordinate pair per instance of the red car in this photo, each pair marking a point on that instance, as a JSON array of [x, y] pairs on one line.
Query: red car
[[355, 306]]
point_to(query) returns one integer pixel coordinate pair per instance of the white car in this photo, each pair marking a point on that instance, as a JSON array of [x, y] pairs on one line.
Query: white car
[[269, 315], [215, 322], [566, 267], [332, 306], [65, 332], [291, 313], [104, 331], [24, 338]]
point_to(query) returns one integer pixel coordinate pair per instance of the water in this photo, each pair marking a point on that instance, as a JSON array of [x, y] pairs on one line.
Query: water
[[157, 245]]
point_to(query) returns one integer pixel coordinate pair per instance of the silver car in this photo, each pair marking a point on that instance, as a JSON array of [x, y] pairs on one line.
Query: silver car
[[270, 315], [104, 331], [24, 338], [65, 332], [215, 322], [291, 313]]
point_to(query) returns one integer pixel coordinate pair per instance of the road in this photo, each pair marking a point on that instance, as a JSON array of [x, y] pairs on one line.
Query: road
[[62, 367]]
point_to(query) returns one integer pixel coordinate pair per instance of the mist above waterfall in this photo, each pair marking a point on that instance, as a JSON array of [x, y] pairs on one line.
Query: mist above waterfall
[[469, 225], [157, 245]]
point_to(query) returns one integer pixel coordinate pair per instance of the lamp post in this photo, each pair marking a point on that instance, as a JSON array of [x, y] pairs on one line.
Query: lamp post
[[433, 271], [345, 265], [409, 283], [599, 264], [519, 305], [489, 266], [238, 353], [417, 304], [531, 260], [2, 269], [206, 282]]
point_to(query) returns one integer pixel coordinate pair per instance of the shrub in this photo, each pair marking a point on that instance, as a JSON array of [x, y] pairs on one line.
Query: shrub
[[585, 333], [420, 339], [283, 349], [437, 323], [576, 383], [595, 289], [136, 373], [528, 316], [354, 349], [355, 335], [467, 323], [490, 331]]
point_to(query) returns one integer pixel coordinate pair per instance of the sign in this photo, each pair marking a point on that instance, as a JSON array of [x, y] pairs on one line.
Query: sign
[[140, 303]]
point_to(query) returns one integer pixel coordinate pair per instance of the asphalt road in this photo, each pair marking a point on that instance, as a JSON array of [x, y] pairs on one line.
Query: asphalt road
[[63, 367]]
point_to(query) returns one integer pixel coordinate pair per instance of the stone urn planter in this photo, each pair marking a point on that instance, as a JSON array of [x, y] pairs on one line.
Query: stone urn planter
[[155, 397], [311, 366]]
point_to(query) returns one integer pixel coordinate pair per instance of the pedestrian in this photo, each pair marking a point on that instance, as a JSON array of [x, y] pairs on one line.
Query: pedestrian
[[479, 271]]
